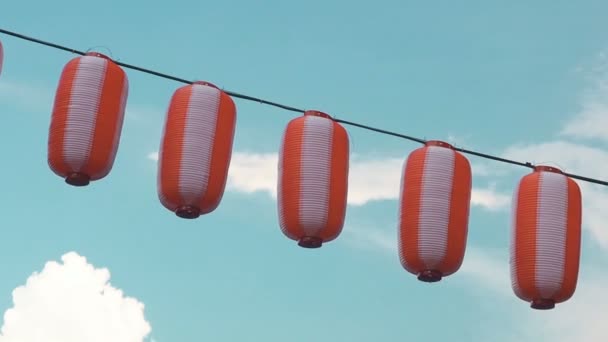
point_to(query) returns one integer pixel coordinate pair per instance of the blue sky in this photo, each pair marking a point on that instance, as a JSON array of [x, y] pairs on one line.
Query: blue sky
[[528, 81]]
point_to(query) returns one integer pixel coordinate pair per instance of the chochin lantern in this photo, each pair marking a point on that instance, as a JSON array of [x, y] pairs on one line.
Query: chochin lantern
[[196, 149], [545, 237], [434, 211], [87, 119], [313, 179]]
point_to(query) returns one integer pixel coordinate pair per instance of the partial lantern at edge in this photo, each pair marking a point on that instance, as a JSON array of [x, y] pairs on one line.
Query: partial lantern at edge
[[313, 179], [87, 119], [196, 149], [545, 237], [434, 211]]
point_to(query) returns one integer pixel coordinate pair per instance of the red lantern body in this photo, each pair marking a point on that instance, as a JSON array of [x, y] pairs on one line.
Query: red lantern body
[[545, 237], [87, 119], [196, 149], [434, 211], [313, 179]]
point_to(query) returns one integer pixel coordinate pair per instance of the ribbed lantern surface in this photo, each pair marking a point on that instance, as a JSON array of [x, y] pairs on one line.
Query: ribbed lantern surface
[[313, 179], [545, 237], [434, 211], [87, 119], [196, 149]]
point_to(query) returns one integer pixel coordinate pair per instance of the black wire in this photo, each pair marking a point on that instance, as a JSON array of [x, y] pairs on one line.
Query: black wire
[[407, 137], [294, 109], [586, 179], [488, 156]]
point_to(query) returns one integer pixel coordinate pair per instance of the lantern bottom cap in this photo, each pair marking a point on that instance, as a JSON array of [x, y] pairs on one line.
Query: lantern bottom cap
[[542, 304], [188, 212], [310, 242], [78, 179], [430, 276]]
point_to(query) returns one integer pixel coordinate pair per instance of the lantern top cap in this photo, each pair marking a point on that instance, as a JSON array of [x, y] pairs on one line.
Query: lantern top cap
[[205, 83], [97, 54], [547, 168], [438, 143], [316, 113]]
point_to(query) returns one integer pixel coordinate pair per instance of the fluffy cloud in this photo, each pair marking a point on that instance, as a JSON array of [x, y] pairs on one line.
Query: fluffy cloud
[[592, 120], [27, 95], [369, 179], [73, 302]]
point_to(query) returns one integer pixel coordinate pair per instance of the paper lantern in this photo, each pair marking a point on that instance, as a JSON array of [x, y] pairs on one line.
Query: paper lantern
[[313, 179], [545, 237], [196, 149], [434, 211], [87, 119]]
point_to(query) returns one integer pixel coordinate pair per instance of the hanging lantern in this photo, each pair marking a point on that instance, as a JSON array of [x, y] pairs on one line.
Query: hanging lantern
[[545, 237], [87, 119], [196, 149], [313, 179], [434, 211]]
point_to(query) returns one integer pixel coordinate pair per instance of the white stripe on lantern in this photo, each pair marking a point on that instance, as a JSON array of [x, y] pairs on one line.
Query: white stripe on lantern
[[551, 233], [435, 203], [197, 146], [85, 97], [121, 116], [513, 243], [315, 171]]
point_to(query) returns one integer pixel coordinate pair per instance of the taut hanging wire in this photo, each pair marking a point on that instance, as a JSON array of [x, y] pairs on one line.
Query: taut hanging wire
[[295, 109]]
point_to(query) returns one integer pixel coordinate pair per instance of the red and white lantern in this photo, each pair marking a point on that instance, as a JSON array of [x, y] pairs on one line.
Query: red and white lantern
[[313, 179], [545, 237], [434, 211], [196, 149], [87, 119]]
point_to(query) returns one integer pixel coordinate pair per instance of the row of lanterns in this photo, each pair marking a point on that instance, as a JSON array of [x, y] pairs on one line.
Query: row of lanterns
[[195, 154]]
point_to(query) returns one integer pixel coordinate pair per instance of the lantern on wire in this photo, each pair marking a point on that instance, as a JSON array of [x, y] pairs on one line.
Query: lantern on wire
[[196, 149], [545, 237], [434, 211], [87, 119], [313, 179]]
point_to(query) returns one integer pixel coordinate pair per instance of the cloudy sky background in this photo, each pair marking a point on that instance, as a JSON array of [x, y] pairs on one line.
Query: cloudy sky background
[[109, 263]]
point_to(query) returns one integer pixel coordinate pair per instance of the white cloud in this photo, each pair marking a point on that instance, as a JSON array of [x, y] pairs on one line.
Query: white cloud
[[73, 302], [373, 240], [582, 318], [369, 179], [592, 120], [490, 198], [253, 172], [153, 156], [28, 95]]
